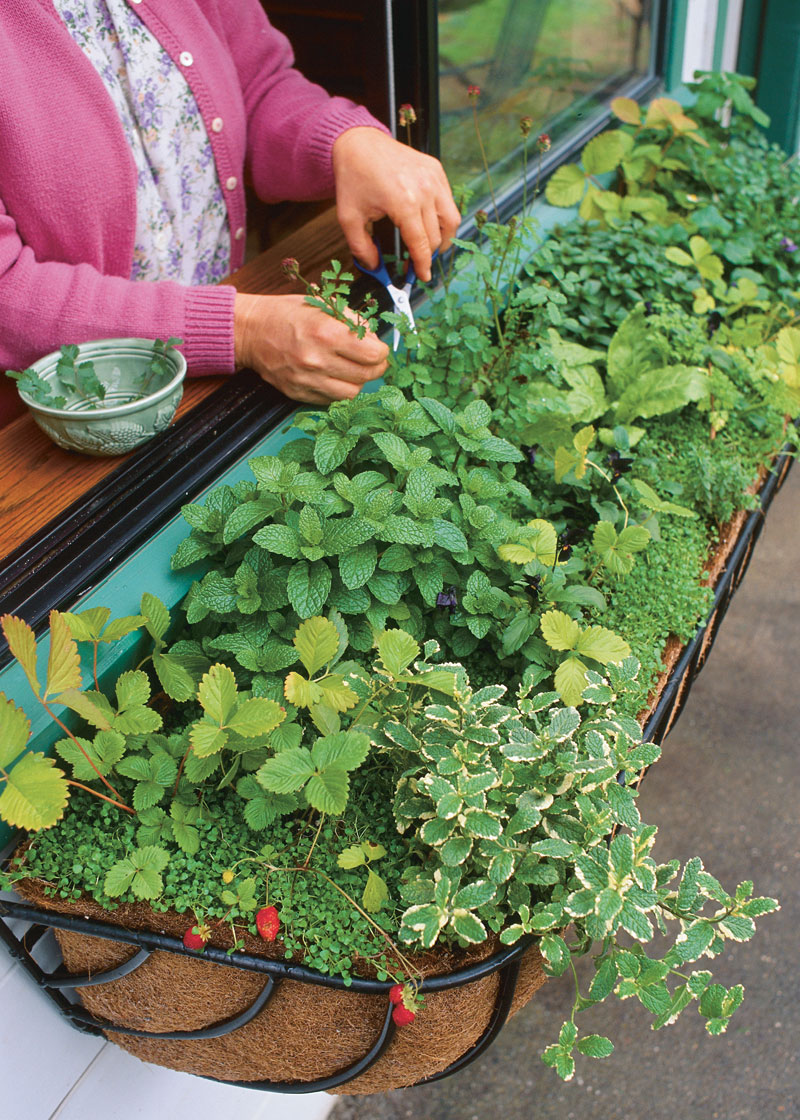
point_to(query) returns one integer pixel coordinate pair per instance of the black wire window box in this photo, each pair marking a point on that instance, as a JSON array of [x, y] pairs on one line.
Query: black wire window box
[[500, 984]]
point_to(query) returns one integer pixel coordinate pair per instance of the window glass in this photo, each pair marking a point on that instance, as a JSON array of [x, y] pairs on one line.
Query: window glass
[[552, 60]]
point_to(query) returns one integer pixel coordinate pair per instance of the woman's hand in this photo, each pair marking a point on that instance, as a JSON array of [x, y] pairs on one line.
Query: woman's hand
[[378, 177], [308, 355]]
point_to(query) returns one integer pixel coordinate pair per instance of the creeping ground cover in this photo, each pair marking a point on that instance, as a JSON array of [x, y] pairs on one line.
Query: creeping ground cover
[[399, 709]]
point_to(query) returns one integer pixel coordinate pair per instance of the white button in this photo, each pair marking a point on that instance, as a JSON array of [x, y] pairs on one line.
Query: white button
[[216, 124], [239, 233], [185, 58], [161, 239], [231, 183], [136, 1]]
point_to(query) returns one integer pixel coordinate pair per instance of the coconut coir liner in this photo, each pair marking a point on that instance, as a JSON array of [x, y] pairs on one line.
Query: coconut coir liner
[[304, 1033]]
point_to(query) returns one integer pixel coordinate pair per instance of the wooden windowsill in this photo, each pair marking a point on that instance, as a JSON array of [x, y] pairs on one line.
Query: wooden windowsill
[[38, 480]]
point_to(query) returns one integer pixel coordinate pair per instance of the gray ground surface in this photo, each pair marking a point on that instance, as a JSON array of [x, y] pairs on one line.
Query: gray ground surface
[[727, 789]]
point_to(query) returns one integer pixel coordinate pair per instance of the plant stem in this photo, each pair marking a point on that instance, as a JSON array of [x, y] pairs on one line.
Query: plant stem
[[180, 770], [85, 754], [485, 162], [404, 961], [102, 796], [314, 841]]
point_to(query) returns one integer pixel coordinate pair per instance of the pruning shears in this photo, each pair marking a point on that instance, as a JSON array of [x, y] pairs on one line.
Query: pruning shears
[[400, 297]]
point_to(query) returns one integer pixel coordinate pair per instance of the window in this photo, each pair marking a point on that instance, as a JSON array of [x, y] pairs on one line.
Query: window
[[556, 61]]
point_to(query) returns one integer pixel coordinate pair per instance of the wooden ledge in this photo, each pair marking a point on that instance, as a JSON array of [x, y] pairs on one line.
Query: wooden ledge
[[38, 480]]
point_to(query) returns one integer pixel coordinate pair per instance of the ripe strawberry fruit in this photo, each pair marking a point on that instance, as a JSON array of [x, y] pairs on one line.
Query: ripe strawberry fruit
[[396, 993], [268, 922], [196, 937], [402, 1015]]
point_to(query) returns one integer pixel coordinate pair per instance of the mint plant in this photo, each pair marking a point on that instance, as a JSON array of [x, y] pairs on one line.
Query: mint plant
[[366, 522], [524, 825]]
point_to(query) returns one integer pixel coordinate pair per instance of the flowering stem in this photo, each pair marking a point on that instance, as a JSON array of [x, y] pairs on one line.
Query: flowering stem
[[485, 161]]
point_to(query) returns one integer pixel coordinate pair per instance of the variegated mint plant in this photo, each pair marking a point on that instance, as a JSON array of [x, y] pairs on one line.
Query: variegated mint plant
[[522, 821]]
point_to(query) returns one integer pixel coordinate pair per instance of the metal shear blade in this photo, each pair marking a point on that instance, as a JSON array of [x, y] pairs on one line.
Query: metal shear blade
[[401, 297]]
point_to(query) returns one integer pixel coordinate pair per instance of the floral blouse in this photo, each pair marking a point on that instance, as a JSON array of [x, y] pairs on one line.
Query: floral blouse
[[182, 223]]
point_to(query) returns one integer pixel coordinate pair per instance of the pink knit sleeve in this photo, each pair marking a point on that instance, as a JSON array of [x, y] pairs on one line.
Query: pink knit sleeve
[[292, 123], [44, 304]]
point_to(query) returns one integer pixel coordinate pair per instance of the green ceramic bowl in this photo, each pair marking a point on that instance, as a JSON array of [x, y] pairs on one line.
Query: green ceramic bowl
[[138, 404]]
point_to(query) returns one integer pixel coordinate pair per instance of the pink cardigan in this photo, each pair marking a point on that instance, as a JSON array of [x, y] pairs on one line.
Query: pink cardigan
[[68, 184]]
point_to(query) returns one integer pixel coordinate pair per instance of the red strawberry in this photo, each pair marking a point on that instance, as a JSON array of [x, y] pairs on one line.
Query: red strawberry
[[396, 993], [268, 922], [196, 937], [402, 1015]]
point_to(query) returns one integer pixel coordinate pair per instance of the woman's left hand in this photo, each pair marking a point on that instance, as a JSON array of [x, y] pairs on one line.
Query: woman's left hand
[[379, 177]]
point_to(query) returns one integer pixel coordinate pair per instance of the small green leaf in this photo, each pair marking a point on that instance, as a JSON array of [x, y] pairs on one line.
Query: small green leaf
[[570, 680], [287, 771], [15, 728], [35, 793], [397, 650], [560, 631], [63, 663], [156, 616], [317, 643], [217, 693], [207, 739], [602, 645], [256, 717], [595, 1046], [175, 679], [375, 893], [468, 927], [308, 586], [566, 186], [603, 153], [132, 689], [328, 790], [347, 749], [352, 857]]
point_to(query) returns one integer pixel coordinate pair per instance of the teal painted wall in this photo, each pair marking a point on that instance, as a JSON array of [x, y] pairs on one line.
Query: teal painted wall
[[778, 71], [677, 12]]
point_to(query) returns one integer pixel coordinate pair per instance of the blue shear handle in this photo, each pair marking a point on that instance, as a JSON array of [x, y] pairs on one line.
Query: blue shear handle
[[380, 273], [411, 275]]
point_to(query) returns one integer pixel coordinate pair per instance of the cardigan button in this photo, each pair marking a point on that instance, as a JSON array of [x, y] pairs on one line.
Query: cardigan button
[[216, 124], [136, 1], [239, 234], [185, 58], [231, 184]]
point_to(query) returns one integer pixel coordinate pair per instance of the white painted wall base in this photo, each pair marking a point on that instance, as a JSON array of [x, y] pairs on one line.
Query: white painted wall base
[[698, 48], [49, 1071]]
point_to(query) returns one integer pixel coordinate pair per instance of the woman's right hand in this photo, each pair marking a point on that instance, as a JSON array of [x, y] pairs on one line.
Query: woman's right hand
[[308, 355]]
